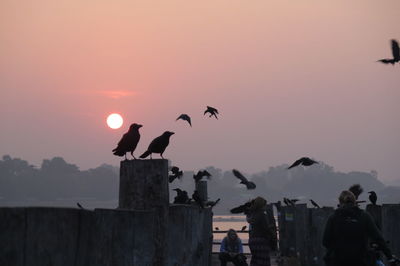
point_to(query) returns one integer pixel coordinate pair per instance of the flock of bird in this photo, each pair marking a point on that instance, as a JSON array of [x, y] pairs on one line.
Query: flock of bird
[[129, 141]]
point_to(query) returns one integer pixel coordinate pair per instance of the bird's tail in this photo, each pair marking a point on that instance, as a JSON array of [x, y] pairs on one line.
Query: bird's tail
[[144, 155], [118, 152]]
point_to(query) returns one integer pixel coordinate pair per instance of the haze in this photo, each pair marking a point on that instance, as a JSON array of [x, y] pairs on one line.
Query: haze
[[290, 79]]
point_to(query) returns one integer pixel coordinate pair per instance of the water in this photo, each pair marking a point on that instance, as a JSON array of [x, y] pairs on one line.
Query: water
[[226, 222]]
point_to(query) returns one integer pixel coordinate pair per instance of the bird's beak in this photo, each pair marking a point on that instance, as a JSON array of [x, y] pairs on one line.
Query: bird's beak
[[139, 126], [172, 133]]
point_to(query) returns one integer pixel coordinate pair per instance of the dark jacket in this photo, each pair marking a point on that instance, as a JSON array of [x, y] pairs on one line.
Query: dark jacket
[[346, 237]]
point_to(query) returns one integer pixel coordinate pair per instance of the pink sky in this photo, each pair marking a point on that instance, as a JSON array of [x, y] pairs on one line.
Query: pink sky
[[290, 78]]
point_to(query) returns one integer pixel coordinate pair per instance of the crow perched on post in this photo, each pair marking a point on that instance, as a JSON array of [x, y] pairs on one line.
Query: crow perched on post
[[212, 203], [395, 52], [181, 196], [79, 206], [303, 161], [243, 180], [186, 118], [200, 174], [373, 197], [212, 111], [175, 174], [196, 197], [314, 204], [158, 145], [128, 141]]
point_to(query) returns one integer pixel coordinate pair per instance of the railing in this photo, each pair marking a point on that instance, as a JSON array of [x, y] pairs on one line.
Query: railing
[[225, 232]]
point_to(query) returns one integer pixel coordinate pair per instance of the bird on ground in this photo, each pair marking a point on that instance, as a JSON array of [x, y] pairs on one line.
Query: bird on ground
[[128, 141], [196, 197], [212, 111], [356, 189], [243, 180], [243, 228], [186, 118], [80, 206], [181, 196], [372, 197], [314, 204], [176, 173], [212, 203], [158, 145], [395, 53], [200, 174], [303, 161]]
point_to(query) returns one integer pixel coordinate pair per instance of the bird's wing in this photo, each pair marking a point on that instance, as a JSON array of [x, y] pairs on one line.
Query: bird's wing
[[395, 50], [240, 176], [296, 163]]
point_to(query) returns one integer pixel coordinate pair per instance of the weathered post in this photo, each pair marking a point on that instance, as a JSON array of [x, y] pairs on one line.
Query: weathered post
[[144, 186], [201, 187], [376, 212], [391, 226]]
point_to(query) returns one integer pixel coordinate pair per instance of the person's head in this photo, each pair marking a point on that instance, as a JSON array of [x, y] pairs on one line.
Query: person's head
[[232, 235], [258, 203], [347, 198]]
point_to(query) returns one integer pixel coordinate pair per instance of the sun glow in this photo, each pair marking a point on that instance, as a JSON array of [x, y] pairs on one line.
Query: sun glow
[[114, 121]]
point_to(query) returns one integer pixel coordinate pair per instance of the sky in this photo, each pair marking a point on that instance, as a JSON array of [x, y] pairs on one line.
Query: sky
[[290, 79]]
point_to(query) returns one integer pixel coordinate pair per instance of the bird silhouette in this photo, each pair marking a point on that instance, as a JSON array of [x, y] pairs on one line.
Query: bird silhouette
[[303, 161], [181, 196], [212, 111], [356, 189], [176, 173], [80, 206], [158, 145], [372, 197], [243, 180], [128, 141], [212, 203], [217, 228], [288, 202], [244, 208], [243, 228], [395, 53], [186, 118], [314, 204], [196, 197], [200, 174]]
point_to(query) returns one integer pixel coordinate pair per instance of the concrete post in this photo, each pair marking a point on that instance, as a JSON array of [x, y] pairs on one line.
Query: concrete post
[[376, 212], [144, 186], [201, 188]]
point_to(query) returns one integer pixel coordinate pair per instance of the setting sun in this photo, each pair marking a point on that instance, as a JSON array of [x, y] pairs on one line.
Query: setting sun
[[114, 121]]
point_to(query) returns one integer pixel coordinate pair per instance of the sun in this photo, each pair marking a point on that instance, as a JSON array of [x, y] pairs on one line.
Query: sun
[[115, 121]]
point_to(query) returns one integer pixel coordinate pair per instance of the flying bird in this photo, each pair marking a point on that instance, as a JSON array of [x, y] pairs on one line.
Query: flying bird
[[244, 208], [243, 180], [181, 196], [395, 52], [128, 141], [212, 111], [372, 197], [356, 189], [196, 197], [158, 145], [243, 228], [314, 204], [200, 174], [303, 161], [176, 173], [186, 118], [80, 206]]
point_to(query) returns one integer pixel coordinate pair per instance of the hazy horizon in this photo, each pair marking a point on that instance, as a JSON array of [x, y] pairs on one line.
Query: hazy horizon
[[290, 79]]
